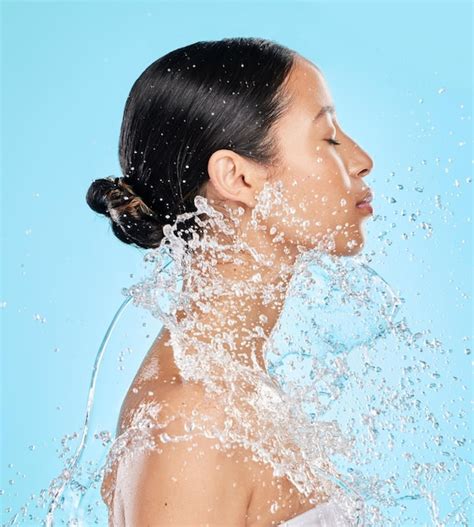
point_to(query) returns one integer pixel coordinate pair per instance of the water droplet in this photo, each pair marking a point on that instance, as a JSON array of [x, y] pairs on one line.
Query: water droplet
[[189, 426]]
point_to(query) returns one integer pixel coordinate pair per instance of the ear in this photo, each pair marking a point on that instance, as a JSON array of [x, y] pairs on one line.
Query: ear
[[234, 178]]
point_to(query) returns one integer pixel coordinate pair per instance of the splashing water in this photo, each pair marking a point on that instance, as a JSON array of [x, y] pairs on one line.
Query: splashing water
[[313, 392]]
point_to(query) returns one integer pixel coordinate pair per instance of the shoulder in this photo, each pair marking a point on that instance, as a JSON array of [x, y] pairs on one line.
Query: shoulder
[[188, 478], [173, 403]]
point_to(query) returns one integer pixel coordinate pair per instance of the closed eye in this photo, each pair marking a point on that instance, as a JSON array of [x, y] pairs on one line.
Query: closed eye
[[332, 142]]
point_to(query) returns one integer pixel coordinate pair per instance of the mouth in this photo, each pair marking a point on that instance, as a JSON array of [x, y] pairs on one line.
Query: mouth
[[364, 203], [367, 198]]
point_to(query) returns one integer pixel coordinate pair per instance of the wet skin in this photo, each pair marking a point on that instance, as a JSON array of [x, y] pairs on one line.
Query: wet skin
[[315, 175]]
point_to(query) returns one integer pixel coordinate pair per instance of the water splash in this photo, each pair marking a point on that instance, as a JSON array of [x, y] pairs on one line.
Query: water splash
[[324, 408]]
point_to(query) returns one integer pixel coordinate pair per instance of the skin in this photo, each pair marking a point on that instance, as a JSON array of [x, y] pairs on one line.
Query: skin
[[315, 177], [315, 174]]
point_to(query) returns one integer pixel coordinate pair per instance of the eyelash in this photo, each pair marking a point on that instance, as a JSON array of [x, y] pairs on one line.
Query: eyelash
[[332, 142]]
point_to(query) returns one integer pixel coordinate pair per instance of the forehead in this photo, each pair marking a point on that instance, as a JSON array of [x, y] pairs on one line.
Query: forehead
[[307, 86]]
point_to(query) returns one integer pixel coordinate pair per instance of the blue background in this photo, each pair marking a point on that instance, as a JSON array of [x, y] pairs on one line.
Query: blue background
[[401, 78]]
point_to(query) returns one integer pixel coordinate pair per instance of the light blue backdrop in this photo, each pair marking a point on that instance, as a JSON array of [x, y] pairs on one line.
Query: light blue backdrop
[[401, 77]]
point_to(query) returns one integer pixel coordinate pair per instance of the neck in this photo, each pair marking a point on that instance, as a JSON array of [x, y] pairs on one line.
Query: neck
[[236, 297], [235, 281]]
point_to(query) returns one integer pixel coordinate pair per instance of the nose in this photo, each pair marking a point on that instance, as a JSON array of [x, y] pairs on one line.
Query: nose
[[360, 163]]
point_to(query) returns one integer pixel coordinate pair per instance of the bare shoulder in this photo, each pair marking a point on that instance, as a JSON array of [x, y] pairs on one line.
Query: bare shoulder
[[191, 480], [176, 403]]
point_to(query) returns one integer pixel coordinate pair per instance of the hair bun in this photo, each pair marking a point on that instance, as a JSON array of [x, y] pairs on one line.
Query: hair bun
[[106, 195], [99, 194], [132, 220]]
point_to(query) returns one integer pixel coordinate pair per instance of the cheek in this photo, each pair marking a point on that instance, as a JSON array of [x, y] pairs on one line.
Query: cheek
[[320, 192], [312, 199]]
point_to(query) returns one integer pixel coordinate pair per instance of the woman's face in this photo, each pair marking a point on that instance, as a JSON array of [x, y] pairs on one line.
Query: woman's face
[[321, 181]]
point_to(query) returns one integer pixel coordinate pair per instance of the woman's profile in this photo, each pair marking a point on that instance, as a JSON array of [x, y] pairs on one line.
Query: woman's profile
[[234, 159]]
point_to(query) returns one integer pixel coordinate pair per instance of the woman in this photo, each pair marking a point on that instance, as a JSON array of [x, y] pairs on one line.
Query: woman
[[235, 144]]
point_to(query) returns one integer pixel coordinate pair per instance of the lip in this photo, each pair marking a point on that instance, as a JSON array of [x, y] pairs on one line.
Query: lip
[[364, 204], [365, 207], [368, 197]]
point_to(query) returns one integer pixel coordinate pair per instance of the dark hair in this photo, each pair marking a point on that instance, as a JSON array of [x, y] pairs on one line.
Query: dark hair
[[186, 105]]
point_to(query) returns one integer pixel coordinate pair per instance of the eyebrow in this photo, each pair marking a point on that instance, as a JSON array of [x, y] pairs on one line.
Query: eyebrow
[[324, 110]]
